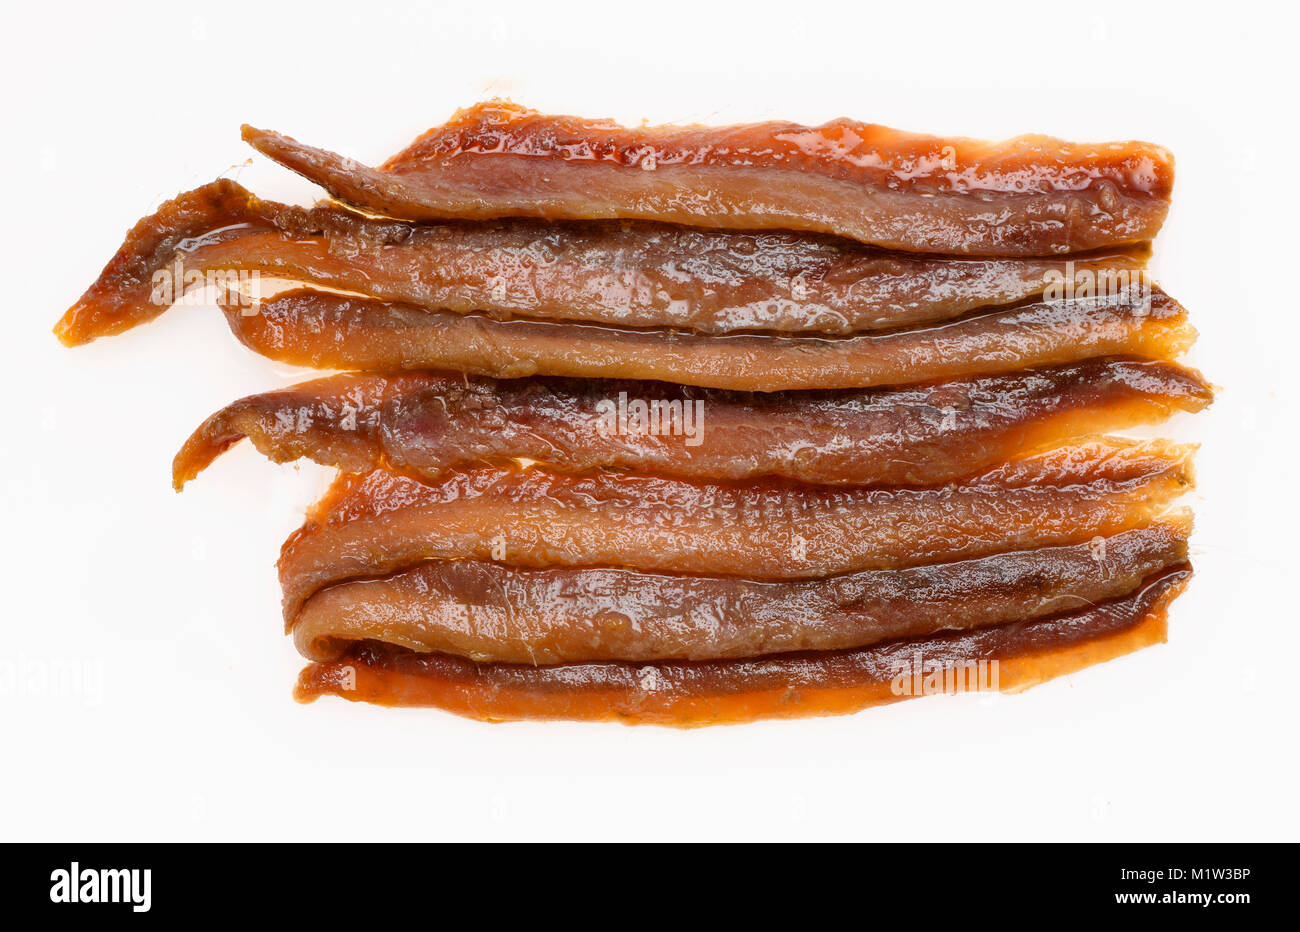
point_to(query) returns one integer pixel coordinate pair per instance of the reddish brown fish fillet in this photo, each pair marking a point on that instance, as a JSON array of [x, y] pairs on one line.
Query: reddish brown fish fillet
[[331, 331], [489, 612], [1032, 195], [624, 274], [375, 524], [1007, 657], [426, 424]]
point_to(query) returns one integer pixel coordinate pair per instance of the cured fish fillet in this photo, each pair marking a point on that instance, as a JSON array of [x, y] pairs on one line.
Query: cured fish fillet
[[493, 613], [690, 425], [1033, 195], [426, 424], [628, 274], [374, 524], [1007, 657], [332, 331]]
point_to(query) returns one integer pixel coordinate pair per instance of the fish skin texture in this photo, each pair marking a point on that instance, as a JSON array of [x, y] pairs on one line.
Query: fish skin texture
[[426, 424], [1033, 195], [628, 274], [688, 694], [374, 524]]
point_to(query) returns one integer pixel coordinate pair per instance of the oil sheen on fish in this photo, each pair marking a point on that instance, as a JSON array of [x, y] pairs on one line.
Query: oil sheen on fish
[[331, 331], [1033, 195], [377, 523], [1007, 657], [630, 274], [425, 424], [493, 613]]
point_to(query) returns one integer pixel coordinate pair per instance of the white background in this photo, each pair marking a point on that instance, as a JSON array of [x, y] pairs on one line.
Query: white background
[[183, 727]]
